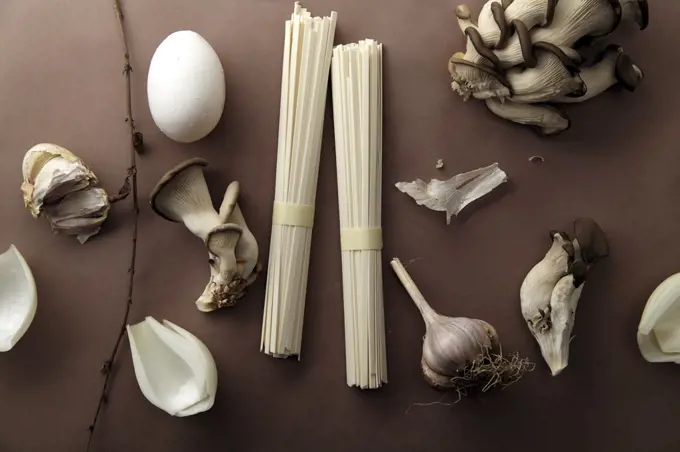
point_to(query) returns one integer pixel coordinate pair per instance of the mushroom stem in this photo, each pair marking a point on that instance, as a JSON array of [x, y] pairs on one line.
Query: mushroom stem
[[545, 120]]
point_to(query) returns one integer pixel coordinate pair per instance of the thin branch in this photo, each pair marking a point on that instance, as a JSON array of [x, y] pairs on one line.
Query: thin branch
[[129, 186]]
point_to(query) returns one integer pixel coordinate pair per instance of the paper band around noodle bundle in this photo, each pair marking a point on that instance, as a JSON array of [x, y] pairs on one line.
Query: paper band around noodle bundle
[[293, 215], [358, 239]]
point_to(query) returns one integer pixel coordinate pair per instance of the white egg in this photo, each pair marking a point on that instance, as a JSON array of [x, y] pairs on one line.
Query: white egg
[[186, 87]]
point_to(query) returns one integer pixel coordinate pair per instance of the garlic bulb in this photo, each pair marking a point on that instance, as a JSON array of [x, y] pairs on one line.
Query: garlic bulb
[[658, 334], [18, 298], [175, 370], [460, 353], [452, 195], [59, 185]]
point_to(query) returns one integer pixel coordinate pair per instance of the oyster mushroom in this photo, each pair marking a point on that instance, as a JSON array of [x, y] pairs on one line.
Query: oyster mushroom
[[18, 298], [495, 19], [182, 196], [546, 120], [58, 185], [551, 290], [555, 75], [571, 21], [614, 67], [175, 370]]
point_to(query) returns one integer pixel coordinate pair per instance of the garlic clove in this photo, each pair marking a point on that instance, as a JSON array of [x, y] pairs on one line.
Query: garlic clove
[[434, 379], [613, 67], [51, 172], [544, 119], [182, 196], [658, 333], [175, 371], [18, 298], [454, 194]]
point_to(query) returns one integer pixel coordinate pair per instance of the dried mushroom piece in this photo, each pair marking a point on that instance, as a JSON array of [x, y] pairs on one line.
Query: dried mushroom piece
[[551, 290]]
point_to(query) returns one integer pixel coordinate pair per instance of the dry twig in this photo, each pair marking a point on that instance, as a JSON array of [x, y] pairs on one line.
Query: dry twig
[[129, 186]]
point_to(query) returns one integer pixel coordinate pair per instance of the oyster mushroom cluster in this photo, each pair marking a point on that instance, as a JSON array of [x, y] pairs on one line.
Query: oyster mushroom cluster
[[182, 196], [551, 290], [525, 57], [58, 185]]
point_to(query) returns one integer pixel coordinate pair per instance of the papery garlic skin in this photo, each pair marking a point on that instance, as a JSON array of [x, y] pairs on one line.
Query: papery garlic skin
[[59, 185], [454, 194], [175, 370], [18, 298], [658, 334]]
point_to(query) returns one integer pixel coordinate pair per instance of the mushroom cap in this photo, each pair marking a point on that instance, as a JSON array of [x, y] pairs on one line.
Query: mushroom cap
[[591, 239], [223, 238], [644, 14], [168, 177], [627, 72]]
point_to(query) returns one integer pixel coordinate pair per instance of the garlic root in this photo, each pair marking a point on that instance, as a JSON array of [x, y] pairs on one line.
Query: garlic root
[[460, 353]]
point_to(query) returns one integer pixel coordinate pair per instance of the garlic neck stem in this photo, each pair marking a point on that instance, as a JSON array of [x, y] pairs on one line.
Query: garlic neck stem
[[426, 311]]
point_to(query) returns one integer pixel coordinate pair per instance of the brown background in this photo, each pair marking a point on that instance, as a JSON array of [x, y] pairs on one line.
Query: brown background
[[60, 82]]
